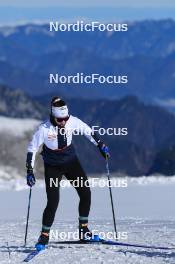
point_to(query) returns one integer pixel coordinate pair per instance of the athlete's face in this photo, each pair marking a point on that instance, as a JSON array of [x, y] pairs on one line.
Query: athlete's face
[[60, 123]]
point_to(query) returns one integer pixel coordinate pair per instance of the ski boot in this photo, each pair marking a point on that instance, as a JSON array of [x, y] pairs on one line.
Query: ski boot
[[42, 241], [85, 235], [84, 232]]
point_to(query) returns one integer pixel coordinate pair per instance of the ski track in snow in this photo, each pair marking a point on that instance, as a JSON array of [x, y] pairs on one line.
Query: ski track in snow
[[144, 210], [158, 233]]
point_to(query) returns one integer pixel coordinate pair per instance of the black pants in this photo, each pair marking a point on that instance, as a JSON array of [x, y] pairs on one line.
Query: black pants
[[72, 171]]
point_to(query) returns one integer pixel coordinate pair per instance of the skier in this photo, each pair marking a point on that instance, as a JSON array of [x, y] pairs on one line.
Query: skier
[[60, 159]]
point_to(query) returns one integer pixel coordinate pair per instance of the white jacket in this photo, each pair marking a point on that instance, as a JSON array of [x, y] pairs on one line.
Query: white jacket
[[47, 134]]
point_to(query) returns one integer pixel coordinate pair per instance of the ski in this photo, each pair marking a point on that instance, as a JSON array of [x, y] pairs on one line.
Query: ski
[[33, 254], [101, 242], [115, 243]]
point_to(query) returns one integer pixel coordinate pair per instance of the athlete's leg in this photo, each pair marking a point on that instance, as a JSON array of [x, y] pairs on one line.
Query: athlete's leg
[[52, 181], [76, 173]]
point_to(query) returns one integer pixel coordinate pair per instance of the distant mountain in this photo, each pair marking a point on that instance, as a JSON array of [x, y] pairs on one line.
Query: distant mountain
[[150, 78], [135, 154], [15, 103], [149, 38], [164, 161], [17, 77], [145, 53]]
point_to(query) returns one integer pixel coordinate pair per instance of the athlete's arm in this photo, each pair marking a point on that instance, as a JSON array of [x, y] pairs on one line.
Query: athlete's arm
[[94, 138], [33, 147], [84, 129]]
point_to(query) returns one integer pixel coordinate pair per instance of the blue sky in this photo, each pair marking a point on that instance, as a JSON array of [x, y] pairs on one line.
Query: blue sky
[[80, 3], [22, 11]]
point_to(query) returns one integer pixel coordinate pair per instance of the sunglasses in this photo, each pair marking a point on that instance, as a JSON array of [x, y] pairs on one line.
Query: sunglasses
[[59, 120]]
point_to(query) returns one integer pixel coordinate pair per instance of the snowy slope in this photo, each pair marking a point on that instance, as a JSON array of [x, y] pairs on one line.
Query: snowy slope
[[149, 232], [144, 211]]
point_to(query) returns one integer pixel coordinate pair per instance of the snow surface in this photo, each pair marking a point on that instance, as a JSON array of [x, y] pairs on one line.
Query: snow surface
[[144, 210]]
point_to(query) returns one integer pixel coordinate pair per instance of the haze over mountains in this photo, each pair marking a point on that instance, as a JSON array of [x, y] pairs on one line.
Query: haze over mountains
[[147, 149], [146, 53]]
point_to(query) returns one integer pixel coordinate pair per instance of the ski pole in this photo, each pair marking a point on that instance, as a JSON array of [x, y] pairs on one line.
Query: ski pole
[[28, 213], [111, 197]]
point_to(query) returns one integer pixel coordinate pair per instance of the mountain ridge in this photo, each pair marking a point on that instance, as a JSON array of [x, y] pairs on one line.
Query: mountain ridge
[[146, 130], [145, 53]]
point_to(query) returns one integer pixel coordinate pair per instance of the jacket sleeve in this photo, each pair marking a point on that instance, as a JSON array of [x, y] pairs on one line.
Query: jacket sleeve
[[85, 130], [33, 147]]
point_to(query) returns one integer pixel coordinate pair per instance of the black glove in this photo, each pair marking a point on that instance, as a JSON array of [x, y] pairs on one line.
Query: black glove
[[30, 178], [104, 150], [30, 175]]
